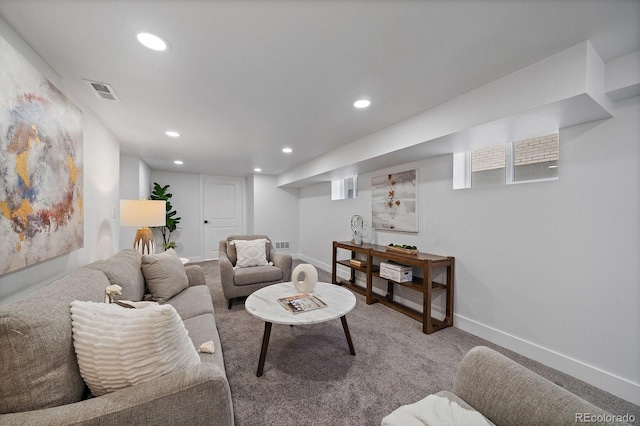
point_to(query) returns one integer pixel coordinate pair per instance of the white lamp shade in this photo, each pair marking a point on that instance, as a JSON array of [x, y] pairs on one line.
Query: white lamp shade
[[143, 213]]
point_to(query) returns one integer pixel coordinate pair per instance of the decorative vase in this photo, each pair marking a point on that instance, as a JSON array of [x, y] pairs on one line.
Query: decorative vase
[[310, 278]]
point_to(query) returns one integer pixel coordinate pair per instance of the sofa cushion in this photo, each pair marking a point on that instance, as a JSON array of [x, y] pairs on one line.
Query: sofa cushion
[[257, 275], [202, 328], [251, 252], [164, 274], [123, 269], [37, 363], [119, 347], [192, 301]]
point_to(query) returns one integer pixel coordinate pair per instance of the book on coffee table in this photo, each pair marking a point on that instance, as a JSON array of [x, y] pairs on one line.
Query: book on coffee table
[[302, 303]]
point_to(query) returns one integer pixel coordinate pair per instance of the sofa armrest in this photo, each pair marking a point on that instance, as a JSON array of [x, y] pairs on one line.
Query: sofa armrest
[[195, 274], [198, 395], [507, 393], [284, 262]]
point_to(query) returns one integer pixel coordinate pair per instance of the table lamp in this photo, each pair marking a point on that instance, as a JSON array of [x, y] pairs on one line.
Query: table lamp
[[143, 214]]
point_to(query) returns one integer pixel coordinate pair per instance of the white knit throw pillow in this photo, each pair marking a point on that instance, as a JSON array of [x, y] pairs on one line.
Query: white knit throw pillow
[[118, 347], [251, 252], [434, 410]]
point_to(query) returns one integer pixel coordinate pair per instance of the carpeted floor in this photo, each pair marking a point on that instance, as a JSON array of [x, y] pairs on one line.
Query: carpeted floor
[[311, 379]]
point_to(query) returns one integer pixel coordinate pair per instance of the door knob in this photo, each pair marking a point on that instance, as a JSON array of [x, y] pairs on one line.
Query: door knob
[[206, 221]]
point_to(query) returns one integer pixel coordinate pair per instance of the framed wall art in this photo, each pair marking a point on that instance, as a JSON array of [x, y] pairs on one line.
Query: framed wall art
[[394, 201], [41, 157]]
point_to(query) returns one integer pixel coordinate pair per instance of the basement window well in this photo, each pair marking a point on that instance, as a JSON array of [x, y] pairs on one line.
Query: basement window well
[[535, 159], [344, 189], [488, 166], [529, 160]]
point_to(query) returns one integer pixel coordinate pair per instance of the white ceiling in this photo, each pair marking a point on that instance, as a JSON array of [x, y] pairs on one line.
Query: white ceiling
[[243, 79]]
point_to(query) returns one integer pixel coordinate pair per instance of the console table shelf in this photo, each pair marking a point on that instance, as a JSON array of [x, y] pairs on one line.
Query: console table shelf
[[426, 262]]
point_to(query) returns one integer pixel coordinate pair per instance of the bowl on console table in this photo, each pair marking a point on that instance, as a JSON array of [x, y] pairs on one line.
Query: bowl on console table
[[401, 250]]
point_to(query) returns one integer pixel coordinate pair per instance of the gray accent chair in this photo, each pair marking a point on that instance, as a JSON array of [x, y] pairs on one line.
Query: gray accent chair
[[507, 393], [240, 282]]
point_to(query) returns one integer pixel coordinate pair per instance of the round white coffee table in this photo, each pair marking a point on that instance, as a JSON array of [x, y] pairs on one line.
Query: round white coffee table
[[264, 304]]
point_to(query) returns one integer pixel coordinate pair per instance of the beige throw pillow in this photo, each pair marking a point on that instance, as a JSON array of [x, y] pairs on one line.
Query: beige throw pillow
[[164, 274], [118, 347], [251, 252]]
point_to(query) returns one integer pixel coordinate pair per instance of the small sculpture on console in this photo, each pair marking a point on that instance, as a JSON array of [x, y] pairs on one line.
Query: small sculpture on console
[[360, 229]]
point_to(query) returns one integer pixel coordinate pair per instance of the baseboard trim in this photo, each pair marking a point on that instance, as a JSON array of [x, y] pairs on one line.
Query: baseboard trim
[[321, 265], [595, 376]]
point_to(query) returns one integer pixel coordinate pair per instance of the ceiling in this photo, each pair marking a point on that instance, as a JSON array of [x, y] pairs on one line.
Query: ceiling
[[244, 79]]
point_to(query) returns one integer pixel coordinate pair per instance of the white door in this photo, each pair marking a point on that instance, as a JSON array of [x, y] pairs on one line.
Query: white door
[[223, 211]]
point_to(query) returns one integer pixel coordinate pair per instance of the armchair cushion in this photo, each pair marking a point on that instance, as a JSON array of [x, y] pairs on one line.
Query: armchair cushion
[[257, 274], [251, 252]]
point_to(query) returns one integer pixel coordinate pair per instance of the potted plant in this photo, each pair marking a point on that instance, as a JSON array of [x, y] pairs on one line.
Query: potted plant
[[160, 193]]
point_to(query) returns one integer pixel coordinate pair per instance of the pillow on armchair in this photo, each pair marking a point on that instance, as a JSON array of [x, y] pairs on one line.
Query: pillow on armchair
[[251, 252]]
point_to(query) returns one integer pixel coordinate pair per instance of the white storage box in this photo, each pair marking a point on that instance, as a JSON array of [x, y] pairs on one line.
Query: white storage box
[[396, 272]]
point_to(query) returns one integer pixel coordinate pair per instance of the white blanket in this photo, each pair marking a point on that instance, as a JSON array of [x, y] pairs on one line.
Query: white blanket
[[434, 410]]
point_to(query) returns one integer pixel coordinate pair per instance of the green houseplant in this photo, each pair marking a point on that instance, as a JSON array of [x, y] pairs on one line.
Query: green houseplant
[[160, 193]]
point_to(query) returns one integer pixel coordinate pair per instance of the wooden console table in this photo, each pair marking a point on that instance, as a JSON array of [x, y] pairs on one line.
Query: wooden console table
[[426, 285]]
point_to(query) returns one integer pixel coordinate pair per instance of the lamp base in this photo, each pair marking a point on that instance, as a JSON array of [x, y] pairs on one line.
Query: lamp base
[[143, 242]]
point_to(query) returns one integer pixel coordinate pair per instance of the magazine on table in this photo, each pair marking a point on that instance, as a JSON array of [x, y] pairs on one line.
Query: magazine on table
[[302, 303]]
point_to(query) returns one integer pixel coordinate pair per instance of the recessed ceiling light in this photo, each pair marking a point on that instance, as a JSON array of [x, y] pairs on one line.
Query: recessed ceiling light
[[172, 133], [287, 150], [153, 42], [362, 103], [178, 162], [257, 169]]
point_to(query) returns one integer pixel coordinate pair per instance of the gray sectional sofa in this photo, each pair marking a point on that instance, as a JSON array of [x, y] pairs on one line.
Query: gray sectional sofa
[[41, 382]]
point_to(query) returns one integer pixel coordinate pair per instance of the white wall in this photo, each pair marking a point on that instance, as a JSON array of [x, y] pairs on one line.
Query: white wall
[[270, 210], [186, 201], [135, 183], [250, 194], [275, 212], [549, 269], [100, 172]]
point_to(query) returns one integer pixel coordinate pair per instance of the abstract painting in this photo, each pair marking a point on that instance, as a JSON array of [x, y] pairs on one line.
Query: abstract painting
[[41, 212], [394, 202]]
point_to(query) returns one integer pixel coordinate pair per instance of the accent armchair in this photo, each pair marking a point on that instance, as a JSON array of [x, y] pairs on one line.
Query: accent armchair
[[245, 267]]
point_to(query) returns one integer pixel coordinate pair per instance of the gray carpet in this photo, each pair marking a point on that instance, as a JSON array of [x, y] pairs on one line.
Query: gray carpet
[[311, 379]]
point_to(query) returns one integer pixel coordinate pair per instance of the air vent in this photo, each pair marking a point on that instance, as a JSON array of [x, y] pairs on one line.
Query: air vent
[[103, 90]]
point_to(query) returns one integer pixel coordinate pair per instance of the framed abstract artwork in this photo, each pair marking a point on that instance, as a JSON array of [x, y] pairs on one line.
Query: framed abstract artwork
[[394, 201], [41, 175]]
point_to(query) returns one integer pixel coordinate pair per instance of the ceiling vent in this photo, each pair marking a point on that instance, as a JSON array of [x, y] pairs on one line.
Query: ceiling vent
[[103, 90]]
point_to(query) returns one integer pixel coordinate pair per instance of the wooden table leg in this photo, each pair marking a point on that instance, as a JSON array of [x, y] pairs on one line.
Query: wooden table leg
[[347, 334], [265, 345]]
